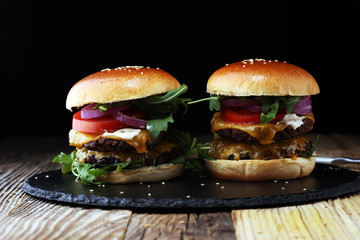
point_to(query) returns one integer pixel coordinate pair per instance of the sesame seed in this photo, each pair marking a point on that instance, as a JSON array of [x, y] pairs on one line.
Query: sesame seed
[[91, 190], [222, 187], [217, 183], [47, 176], [188, 196], [286, 182], [275, 181], [149, 194], [304, 189], [163, 183], [36, 177], [282, 188], [202, 184], [121, 192], [148, 186]]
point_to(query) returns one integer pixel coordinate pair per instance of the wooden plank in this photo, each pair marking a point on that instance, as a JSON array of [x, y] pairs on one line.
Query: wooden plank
[[38, 219], [156, 226], [181, 226], [209, 226], [332, 219]]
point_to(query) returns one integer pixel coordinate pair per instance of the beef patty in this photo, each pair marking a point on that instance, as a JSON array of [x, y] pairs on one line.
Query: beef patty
[[288, 133], [224, 149], [163, 157], [115, 145]]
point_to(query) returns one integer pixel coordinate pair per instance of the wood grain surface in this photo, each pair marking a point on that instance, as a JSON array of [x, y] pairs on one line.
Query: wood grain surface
[[25, 217]]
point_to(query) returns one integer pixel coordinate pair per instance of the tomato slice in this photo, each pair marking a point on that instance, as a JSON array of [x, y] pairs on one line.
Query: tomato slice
[[244, 116], [103, 124]]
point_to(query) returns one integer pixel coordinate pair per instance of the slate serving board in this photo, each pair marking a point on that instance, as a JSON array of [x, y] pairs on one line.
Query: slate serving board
[[196, 191]]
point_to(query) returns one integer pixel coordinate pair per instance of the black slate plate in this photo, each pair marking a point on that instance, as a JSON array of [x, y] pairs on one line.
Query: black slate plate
[[196, 191]]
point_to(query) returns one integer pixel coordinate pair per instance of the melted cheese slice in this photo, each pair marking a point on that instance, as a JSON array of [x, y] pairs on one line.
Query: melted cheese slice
[[131, 155], [138, 141], [263, 133], [221, 149]]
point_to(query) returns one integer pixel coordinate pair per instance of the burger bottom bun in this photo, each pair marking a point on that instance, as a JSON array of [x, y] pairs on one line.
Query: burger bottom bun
[[261, 170], [144, 174]]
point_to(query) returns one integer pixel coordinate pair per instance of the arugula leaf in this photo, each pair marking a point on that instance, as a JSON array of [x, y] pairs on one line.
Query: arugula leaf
[[169, 96], [271, 105], [105, 106], [65, 160], [214, 102], [164, 103], [188, 157], [161, 108], [83, 172], [158, 124], [102, 106], [196, 165], [184, 138], [311, 151]]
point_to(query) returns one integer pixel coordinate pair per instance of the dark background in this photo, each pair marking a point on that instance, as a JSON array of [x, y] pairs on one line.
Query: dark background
[[48, 46]]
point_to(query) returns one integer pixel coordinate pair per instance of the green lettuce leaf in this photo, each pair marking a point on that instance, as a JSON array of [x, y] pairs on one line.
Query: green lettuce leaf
[[159, 124], [65, 160]]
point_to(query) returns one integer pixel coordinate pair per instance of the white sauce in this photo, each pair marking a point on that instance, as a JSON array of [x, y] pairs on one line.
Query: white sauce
[[293, 120], [125, 133]]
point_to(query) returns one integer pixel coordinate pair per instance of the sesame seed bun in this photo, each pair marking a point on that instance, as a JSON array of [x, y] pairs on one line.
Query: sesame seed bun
[[120, 84], [262, 78], [261, 170]]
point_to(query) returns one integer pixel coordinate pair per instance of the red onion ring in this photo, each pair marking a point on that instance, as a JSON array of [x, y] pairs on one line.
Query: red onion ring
[[306, 101], [89, 112], [304, 110], [135, 122], [239, 102], [255, 108]]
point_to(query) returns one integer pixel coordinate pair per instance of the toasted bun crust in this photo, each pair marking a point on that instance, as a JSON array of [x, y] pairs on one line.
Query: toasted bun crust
[[261, 77], [144, 174], [261, 170], [119, 84]]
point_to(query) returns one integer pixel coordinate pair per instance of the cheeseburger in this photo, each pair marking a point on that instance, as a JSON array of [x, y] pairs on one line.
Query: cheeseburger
[[264, 108], [121, 126]]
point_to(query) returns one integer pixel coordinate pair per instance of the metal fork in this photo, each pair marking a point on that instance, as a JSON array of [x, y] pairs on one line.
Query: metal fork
[[336, 160]]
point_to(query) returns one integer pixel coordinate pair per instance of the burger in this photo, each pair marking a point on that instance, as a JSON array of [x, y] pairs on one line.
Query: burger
[[263, 109], [121, 129]]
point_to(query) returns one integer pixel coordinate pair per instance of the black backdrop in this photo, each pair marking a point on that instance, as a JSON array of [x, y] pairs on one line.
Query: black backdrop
[[48, 46]]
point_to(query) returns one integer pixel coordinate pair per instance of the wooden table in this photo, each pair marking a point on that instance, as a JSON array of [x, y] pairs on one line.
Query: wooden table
[[25, 217]]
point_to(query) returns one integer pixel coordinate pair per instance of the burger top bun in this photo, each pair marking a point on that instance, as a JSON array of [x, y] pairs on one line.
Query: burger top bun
[[120, 84], [261, 77]]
